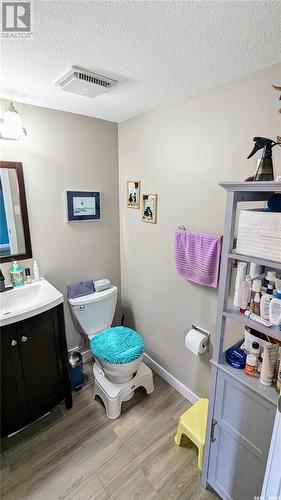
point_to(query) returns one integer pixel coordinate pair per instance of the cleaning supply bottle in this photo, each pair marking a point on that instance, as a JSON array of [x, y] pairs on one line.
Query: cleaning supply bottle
[[36, 273], [275, 309], [264, 171], [265, 301], [16, 274]]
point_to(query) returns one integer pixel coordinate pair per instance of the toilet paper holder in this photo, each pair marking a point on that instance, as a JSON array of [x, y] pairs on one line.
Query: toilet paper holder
[[204, 332]]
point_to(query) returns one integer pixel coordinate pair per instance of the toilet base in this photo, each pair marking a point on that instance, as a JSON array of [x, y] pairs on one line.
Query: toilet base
[[114, 394]]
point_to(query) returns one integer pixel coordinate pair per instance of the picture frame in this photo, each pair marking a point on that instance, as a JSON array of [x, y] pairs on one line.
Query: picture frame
[[149, 208], [133, 194], [83, 205]]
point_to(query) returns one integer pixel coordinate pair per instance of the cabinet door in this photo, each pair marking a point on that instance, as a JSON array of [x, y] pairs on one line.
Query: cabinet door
[[14, 413], [42, 362], [242, 428]]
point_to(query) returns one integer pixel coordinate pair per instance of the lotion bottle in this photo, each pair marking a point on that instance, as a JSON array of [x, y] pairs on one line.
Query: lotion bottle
[[240, 276], [265, 301], [245, 293], [36, 273], [275, 309]]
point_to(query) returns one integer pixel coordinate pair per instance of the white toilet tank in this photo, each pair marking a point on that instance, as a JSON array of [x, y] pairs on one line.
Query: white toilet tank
[[95, 312]]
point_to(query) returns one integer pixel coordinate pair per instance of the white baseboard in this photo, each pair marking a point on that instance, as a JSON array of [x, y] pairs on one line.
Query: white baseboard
[[173, 381]]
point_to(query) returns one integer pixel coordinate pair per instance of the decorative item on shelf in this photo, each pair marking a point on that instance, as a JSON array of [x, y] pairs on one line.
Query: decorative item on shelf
[[149, 208], [133, 194], [11, 126], [264, 171], [83, 205]]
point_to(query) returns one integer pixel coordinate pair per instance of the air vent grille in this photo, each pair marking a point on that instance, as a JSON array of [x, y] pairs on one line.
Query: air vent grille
[[92, 79], [84, 82]]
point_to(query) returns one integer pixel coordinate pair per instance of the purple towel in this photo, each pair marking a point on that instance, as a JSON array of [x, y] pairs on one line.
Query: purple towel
[[198, 257], [80, 288]]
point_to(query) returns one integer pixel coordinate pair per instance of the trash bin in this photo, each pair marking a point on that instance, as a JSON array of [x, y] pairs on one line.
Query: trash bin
[[76, 370]]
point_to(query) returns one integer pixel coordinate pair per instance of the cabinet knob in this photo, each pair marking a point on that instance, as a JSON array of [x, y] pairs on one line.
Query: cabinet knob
[[13, 343], [24, 338]]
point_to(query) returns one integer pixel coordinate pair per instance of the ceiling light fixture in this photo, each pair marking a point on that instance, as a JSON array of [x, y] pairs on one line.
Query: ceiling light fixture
[[11, 126]]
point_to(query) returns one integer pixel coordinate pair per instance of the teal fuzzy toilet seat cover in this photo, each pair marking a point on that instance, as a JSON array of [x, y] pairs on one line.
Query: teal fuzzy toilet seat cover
[[117, 345]]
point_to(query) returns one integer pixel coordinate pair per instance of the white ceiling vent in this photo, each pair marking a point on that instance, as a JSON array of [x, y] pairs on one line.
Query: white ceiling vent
[[81, 81]]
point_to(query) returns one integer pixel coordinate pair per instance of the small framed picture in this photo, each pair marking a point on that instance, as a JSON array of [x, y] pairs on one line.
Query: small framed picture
[[133, 194], [83, 205], [149, 208]]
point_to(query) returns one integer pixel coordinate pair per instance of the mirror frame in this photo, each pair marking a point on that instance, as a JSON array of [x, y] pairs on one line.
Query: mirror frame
[[17, 166]]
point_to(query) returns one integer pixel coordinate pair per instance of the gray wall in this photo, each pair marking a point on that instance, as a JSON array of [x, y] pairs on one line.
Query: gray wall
[[67, 151], [181, 152]]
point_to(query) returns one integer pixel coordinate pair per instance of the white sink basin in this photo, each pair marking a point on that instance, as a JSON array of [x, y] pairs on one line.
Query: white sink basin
[[28, 300]]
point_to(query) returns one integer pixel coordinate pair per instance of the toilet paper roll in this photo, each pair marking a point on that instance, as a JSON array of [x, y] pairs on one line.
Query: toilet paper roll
[[196, 342]]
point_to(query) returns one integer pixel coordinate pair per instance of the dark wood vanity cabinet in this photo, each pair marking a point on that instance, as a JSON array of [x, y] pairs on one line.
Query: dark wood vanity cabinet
[[34, 369]]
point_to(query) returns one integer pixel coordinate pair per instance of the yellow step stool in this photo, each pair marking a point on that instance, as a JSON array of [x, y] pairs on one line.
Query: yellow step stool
[[193, 424]]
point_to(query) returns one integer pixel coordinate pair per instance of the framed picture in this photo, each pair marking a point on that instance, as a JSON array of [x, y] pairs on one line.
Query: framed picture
[[83, 205], [133, 194], [149, 208]]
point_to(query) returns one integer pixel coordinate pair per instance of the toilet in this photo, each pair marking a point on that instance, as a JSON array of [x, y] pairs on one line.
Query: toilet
[[115, 381]]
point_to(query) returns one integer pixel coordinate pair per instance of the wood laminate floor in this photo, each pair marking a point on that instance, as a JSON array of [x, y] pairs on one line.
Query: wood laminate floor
[[80, 454]]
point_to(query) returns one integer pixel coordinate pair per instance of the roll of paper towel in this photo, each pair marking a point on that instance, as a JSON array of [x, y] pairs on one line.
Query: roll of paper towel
[[196, 341]]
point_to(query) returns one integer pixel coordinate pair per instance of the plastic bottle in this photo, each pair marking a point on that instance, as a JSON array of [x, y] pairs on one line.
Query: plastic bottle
[[250, 367], [16, 274], [265, 301], [269, 358], [36, 273], [28, 279], [275, 309], [257, 303], [255, 349], [270, 278], [255, 270], [278, 383], [240, 276], [259, 364], [245, 293], [256, 288]]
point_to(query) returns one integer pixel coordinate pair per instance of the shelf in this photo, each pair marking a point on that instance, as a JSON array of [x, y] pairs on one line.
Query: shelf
[[268, 392], [256, 260], [252, 187], [234, 314]]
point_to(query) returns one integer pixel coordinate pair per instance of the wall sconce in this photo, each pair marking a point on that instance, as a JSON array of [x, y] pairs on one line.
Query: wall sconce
[[11, 126]]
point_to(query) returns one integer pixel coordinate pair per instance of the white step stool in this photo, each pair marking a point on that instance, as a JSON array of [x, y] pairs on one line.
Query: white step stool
[[113, 395]]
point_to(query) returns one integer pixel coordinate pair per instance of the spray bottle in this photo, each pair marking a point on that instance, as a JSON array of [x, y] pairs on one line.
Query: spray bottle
[[264, 171]]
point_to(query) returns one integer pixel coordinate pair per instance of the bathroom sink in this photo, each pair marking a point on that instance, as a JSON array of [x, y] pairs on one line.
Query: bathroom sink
[[28, 300]]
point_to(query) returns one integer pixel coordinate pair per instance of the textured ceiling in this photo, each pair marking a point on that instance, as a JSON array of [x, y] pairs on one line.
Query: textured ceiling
[[160, 51]]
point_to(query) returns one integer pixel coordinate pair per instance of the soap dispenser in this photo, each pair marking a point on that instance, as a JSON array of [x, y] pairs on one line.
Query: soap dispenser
[[16, 274], [2, 282]]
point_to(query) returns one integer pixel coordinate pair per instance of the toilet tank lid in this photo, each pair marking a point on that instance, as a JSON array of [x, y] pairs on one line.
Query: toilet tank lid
[[94, 297]]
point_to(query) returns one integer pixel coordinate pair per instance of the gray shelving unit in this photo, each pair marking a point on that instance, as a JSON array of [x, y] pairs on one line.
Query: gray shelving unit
[[241, 409]]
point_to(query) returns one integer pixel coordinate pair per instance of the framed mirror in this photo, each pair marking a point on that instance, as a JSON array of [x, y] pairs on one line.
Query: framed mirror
[[15, 243]]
